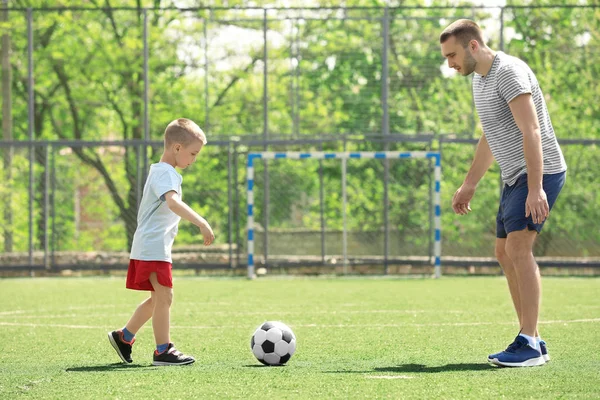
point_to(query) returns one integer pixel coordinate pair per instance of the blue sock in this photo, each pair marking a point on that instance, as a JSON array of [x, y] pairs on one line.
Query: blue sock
[[160, 348], [128, 336]]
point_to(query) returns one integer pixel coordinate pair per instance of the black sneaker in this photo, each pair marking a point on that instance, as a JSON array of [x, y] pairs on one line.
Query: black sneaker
[[171, 356], [122, 347]]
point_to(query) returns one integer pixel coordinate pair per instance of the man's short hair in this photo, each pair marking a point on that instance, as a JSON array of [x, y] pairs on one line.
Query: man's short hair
[[183, 131], [464, 30]]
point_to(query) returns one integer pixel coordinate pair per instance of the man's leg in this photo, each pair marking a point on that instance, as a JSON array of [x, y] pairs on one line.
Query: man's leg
[[519, 248], [525, 350], [509, 272], [511, 276]]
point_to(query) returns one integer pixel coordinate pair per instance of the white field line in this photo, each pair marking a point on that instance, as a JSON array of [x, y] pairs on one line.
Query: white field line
[[42, 310], [40, 313], [57, 316], [51, 325], [388, 377], [13, 312], [102, 306], [361, 326]]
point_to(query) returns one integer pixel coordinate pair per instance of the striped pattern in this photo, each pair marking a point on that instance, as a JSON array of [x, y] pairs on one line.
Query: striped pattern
[[437, 250], [508, 78]]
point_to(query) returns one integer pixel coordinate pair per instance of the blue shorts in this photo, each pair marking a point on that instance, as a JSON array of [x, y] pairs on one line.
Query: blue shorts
[[511, 214]]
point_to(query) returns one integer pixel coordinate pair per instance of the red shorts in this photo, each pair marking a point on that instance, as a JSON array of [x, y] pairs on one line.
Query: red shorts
[[138, 274]]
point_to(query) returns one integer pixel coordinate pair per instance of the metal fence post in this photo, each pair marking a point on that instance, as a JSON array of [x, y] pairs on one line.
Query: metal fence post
[[7, 131], [229, 205], [265, 138], [146, 95], [501, 28], [46, 204], [53, 205], [385, 125], [206, 105], [344, 216], [322, 206], [30, 126], [141, 157]]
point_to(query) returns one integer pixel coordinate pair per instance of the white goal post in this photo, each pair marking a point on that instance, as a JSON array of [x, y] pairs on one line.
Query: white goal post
[[344, 156]]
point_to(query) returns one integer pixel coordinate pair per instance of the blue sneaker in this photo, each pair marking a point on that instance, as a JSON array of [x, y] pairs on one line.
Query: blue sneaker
[[518, 354], [492, 358], [544, 351]]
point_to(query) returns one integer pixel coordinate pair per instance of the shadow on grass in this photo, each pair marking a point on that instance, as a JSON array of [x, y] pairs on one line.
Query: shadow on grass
[[263, 366], [441, 368], [421, 368], [109, 367]]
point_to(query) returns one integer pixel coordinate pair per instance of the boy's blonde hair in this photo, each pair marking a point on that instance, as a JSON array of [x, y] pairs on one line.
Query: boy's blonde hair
[[183, 131]]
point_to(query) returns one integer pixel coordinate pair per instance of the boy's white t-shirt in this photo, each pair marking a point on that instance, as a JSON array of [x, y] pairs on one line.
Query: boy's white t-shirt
[[157, 224]]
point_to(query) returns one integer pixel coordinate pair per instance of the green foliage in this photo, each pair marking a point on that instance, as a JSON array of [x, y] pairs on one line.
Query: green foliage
[[324, 76]]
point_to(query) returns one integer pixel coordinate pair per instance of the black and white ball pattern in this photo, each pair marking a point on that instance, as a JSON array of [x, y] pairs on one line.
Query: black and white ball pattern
[[273, 343]]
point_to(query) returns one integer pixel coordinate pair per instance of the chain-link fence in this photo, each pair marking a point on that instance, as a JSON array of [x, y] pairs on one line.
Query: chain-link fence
[[87, 92], [78, 194]]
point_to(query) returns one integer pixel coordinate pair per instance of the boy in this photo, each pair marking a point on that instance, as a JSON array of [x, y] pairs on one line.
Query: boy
[[150, 266]]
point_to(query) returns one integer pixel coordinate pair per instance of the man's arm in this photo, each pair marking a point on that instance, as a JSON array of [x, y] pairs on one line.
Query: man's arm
[[482, 161], [177, 205], [523, 111]]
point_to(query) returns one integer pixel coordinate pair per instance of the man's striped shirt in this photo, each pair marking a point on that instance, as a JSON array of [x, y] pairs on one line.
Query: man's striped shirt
[[508, 78]]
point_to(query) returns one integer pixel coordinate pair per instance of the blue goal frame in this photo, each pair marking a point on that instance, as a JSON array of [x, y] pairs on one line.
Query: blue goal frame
[[320, 155]]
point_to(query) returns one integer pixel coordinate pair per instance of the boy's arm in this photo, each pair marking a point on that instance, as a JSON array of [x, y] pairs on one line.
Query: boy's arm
[[177, 205]]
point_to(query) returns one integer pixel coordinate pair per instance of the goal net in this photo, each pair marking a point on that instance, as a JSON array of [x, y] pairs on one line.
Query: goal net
[[343, 209]]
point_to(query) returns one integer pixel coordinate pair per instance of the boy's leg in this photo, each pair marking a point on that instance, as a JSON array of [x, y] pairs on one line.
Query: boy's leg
[[162, 300], [141, 315], [122, 340]]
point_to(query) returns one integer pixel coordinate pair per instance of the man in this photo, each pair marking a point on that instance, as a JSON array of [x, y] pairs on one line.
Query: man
[[518, 134]]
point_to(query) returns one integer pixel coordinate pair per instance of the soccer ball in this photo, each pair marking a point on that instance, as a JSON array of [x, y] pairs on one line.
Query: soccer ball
[[273, 343]]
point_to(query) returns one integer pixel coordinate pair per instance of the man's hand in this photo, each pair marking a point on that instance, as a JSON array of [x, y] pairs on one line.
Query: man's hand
[[207, 233], [537, 206], [462, 199]]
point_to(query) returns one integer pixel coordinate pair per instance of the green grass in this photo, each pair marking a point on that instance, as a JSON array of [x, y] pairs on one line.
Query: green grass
[[357, 338]]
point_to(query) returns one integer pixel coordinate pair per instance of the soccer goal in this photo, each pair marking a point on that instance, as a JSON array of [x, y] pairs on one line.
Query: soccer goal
[[345, 158]]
